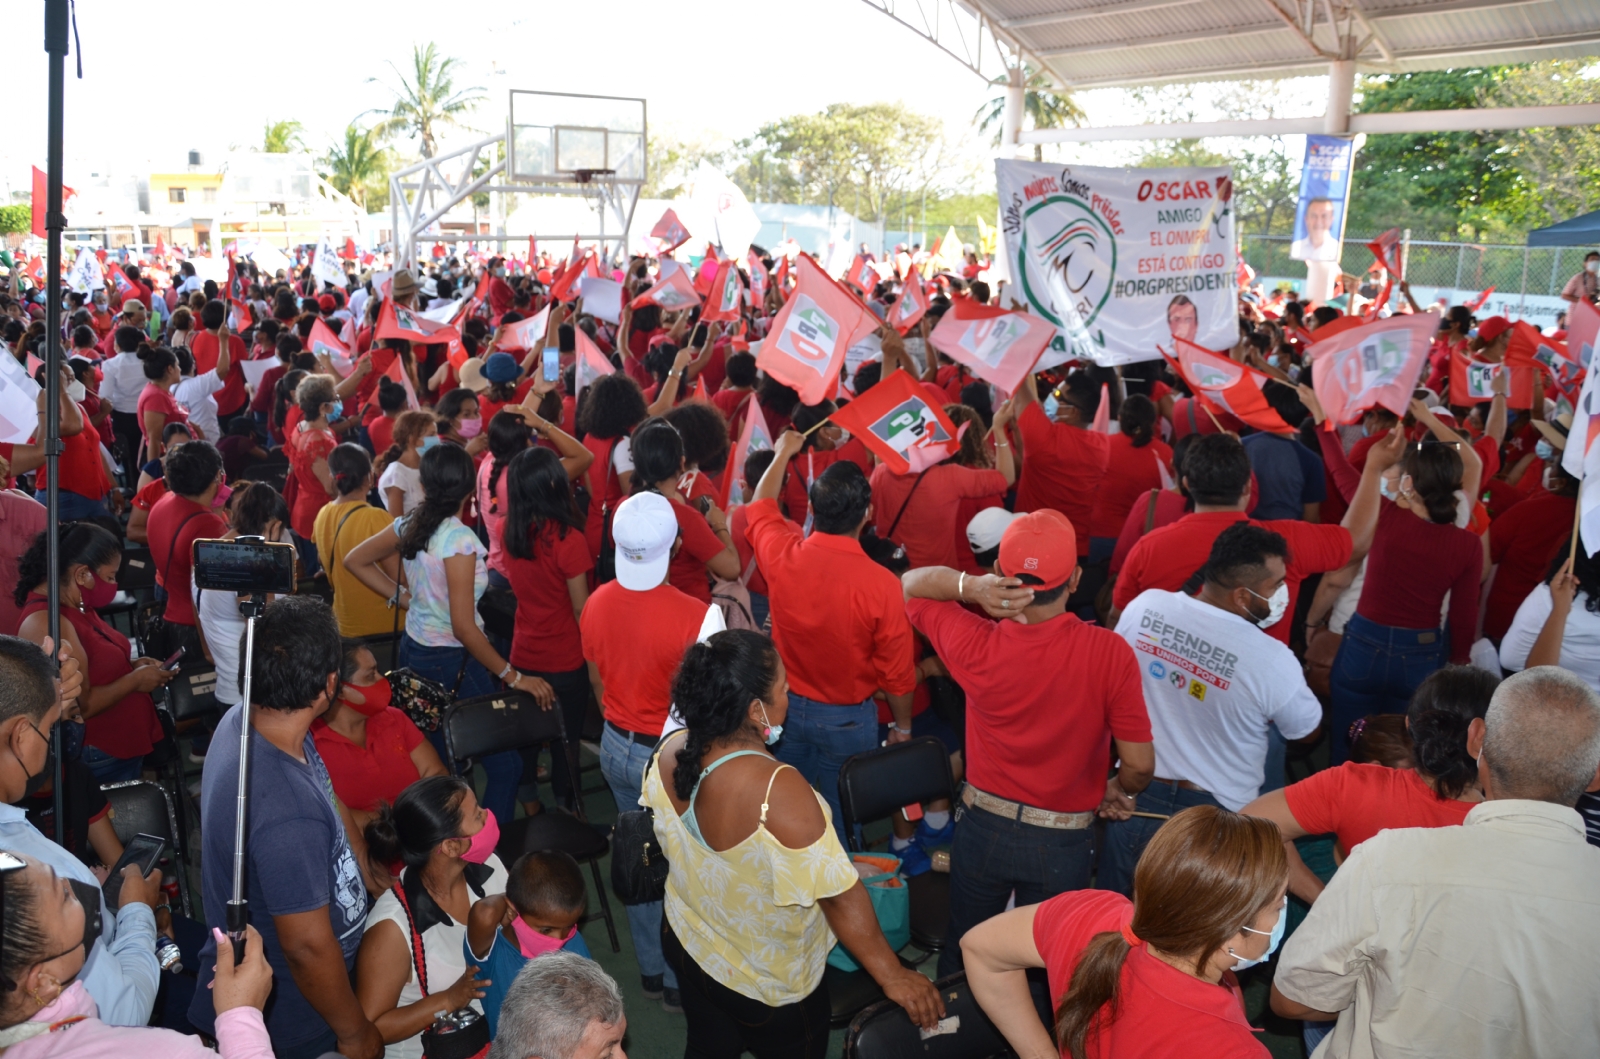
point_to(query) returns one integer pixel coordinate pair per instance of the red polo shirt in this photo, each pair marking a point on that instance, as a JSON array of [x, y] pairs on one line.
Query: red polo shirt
[[1043, 702], [175, 523], [1062, 467], [232, 397], [1168, 557], [636, 640], [363, 776], [838, 618], [1355, 801], [546, 639], [1161, 1012]]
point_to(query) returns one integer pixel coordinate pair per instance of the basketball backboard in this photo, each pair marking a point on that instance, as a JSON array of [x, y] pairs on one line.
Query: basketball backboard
[[556, 135]]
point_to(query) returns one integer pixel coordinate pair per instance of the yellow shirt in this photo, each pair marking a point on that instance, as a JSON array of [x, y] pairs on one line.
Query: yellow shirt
[[749, 915], [358, 610]]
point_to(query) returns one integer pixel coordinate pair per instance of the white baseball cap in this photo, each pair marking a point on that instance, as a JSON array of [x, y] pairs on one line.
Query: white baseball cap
[[644, 528], [987, 527]]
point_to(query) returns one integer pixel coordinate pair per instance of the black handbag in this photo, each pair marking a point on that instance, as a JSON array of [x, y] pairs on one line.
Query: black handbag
[[459, 1034], [638, 865], [498, 609], [422, 700]]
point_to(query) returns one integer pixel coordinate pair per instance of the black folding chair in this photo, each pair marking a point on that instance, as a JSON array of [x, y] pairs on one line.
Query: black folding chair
[[142, 807], [883, 1031], [487, 724]]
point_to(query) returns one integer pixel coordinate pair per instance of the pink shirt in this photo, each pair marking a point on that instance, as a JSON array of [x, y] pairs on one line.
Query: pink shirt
[[493, 511], [241, 1034]]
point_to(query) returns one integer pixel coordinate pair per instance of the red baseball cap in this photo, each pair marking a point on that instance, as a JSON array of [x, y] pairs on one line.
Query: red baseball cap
[[326, 303], [1493, 328], [1041, 544]]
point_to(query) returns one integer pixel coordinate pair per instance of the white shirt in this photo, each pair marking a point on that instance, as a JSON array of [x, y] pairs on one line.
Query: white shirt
[[1476, 940], [1580, 643], [1212, 681], [194, 393], [122, 382], [398, 476], [358, 301]]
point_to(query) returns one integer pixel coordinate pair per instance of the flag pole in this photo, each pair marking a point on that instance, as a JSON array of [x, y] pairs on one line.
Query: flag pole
[[56, 16], [807, 432], [1577, 518]]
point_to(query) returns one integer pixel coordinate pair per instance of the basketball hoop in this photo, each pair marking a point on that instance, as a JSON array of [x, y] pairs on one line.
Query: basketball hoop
[[583, 176]]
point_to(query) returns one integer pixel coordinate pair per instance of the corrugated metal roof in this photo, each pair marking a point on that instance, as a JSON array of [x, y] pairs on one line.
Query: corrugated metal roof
[[1107, 42]]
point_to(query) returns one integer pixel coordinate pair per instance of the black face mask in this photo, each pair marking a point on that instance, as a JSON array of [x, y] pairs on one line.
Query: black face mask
[[46, 773], [89, 898]]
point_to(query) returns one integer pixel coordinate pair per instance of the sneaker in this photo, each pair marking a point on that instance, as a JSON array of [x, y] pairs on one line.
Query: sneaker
[[651, 984], [914, 860], [927, 837], [672, 1001]]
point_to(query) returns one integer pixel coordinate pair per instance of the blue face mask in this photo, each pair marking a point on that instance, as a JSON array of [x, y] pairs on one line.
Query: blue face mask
[[1543, 449], [774, 732], [1272, 946], [429, 442], [336, 413], [1051, 406]]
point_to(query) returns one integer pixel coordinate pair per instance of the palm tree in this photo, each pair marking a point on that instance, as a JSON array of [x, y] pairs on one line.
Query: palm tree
[[428, 100], [358, 165], [282, 137], [1044, 107]]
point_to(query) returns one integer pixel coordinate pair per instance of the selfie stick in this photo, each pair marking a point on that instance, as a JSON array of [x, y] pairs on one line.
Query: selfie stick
[[238, 904]]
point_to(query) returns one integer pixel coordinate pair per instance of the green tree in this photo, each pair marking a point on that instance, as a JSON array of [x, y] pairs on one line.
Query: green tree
[[1043, 107], [17, 218], [282, 137], [359, 167], [1559, 167], [427, 101]]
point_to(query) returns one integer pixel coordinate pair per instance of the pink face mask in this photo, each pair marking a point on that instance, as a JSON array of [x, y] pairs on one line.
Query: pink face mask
[[534, 943], [484, 841], [100, 594]]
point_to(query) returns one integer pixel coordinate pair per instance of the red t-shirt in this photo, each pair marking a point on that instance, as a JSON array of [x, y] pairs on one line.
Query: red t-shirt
[[364, 776], [636, 640], [1161, 1012], [145, 499], [1168, 557], [154, 399], [1043, 702], [1170, 506], [1523, 541], [605, 489], [381, 431], [232, 397], [807, 467], [306, 447], [687, 572], [546, 638], [1413, 563], [732, 405], [262, 402], [1130, 474], [174, 524], [81, 469], [1354, 801], [739, 530], [1062, 468], [927, 530]]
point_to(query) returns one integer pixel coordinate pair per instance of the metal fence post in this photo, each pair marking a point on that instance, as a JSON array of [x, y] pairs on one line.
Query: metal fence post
[[1461, 262], [1522, 301]]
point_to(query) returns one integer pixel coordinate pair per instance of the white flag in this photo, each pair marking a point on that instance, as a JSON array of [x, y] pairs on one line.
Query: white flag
[[720, 198], [325, 267], [85, 275]]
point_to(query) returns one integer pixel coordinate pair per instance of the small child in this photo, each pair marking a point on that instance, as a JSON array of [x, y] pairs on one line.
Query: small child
[[538, 914]]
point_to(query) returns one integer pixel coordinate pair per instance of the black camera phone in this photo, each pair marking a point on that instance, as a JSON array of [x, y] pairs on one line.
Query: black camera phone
[[145, 852], [244, 565]]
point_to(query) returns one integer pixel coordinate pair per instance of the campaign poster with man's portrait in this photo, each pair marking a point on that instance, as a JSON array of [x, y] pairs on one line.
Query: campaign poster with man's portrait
[[1324, 191]]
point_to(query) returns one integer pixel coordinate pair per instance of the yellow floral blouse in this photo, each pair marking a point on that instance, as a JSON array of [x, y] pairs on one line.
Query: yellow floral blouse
[[749, 915]]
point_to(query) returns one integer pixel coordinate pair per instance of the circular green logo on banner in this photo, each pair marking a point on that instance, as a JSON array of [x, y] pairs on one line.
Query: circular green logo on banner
[[1066, 251]]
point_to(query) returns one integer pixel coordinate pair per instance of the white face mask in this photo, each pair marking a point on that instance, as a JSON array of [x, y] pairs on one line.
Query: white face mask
[[77, 391], [1272, 946], [1592, 266], [1277, 603]]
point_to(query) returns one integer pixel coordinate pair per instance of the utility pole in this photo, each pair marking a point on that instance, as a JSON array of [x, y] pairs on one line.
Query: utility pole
[[55, 45]]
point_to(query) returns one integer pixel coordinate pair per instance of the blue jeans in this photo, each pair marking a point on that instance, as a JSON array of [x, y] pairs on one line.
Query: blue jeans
[[819, 737], [108, 769], [74, 506], [1273, 777], [991, 856], [1125, 839], [623, 762], [1376, 670], [503, 771]]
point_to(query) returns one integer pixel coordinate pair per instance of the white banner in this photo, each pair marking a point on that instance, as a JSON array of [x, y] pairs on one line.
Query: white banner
[[1120, 260]]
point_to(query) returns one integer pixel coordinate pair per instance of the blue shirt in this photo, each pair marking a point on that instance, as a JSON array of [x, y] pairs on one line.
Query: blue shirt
[[121, 973], [298, 860], [1288, 477], [501, 967]]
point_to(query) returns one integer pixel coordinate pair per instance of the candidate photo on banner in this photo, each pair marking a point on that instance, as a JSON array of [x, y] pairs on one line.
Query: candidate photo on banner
[[1324, 191], [1120, 261]]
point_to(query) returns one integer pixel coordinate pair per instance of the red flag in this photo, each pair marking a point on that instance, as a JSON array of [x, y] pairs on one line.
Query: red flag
[[397, 322], [395, 370], [759, 278], [912, 304], [35, 271], [1472, 379], [1386, 248], [525, 335], [862, 276], [589, 364], [1000, 346], [161, 246], [705, 278], [1227, 386], [1102, 412], [41, 200], [1583, 332], [672, 291], [349, 251], [670, 232], [899, 422], [565, 286], [1529, 348], [806, 344], [753, 437], [723, 303], [323, 340], [1477, 303], [700, 391], [783, 276], [533, 251], [1377, 365]]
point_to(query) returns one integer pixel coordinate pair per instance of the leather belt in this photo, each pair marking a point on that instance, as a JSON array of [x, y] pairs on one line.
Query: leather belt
[[1182, 785], [1027, 814], [637, 737]]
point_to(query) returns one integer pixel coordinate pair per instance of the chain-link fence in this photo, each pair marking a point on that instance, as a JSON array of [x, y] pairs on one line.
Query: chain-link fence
[[1462, 266]]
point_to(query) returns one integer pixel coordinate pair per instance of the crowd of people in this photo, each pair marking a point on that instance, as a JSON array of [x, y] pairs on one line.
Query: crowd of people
[[1127, 617]]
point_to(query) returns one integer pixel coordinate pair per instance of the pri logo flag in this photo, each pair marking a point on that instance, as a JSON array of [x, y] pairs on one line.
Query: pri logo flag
[[725, 294], [807, 341], [1226, 386], [1529, 348], [672, 291], [1000, 346], [912, 304], [386, 362], [897, 422], [41, 193], [589, 365], [565, 288], [525, 335], [1371, 366], [670, 232], [397, 322], [1583, 332], [753, 437], [758, 280], [862, 276], [323, 341]]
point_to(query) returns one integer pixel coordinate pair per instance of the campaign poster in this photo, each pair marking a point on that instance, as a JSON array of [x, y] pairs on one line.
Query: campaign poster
[[1324, 194], [1121, 261]]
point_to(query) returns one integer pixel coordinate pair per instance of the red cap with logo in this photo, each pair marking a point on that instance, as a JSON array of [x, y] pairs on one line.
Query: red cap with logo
[[1493, 328], [1041, 544]]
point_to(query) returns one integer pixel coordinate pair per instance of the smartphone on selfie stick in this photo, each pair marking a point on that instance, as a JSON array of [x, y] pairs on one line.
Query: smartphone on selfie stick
[[257, 568]]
